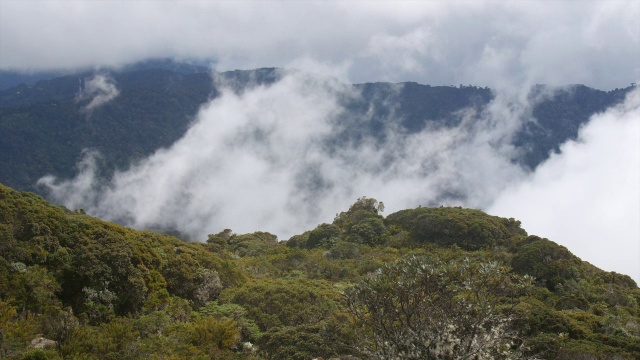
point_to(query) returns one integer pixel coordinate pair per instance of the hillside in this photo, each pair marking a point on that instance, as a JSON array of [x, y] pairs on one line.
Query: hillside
[[44, 127], [419, 283]]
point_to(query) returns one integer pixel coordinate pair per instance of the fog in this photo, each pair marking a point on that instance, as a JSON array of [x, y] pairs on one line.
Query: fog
[[588, 197], [485, 43], [97, 90], [269, 159]]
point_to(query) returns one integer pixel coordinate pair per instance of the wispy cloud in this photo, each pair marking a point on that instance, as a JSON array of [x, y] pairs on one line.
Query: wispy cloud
[[271, 158], [98, 90]]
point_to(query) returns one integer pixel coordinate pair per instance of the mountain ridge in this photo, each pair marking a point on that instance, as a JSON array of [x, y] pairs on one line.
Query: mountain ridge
[[156, 106]]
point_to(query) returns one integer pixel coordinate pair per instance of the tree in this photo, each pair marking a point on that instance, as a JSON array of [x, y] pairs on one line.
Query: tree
[[370, 231], [421, 308], [468, 229], [323, 234], [209, 286], [550, 263], [363, 208]]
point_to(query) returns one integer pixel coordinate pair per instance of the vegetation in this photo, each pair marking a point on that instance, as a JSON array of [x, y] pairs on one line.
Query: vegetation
[[442, 283], [421, 308]]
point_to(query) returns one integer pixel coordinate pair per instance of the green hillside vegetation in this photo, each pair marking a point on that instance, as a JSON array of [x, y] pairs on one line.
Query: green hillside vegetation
[[425, 283]]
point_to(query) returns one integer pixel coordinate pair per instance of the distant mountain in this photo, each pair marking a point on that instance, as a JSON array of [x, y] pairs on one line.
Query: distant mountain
[[558, 118], [9, 79], [43, 129]]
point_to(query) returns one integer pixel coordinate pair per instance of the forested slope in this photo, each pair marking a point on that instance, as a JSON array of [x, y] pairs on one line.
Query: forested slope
[[44, 127], [419, 283]]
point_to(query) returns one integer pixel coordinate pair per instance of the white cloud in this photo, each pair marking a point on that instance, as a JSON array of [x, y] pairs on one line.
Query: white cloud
[[235, 167], [262, 160], [404, 53], [100, 89], [587, 198], [82, 190], [436, 42]]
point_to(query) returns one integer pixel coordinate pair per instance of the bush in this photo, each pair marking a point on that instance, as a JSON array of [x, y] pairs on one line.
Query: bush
[[422, 308], [275, 302], [550, 263], [468, 229]]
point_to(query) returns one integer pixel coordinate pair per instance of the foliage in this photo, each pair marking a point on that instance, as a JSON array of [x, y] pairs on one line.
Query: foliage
[[302, 342], [442, 276], [221, 333], [420, 308], [249, 330], [363, 208], [275, 302], [466, 228], [548, 262], [323, 235]]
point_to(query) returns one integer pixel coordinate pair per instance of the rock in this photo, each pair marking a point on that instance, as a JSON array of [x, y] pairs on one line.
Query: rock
[[248, 347], [43, 343]]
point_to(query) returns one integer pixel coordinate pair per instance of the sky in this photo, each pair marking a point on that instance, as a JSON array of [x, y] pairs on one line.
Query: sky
[[257, 160], [485, 43]]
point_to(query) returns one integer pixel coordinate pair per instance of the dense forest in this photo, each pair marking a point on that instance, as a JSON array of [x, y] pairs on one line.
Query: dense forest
[[423, 283], [44, 130]]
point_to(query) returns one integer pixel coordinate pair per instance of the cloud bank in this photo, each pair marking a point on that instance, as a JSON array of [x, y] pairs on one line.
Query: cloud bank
[[588, 197], [272, 158], [484, 43]]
